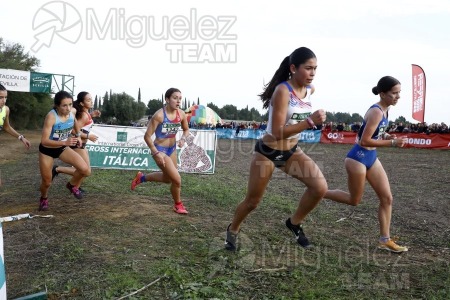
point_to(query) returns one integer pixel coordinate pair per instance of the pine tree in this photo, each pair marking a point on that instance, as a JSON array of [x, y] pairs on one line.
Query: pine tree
[[95, 103], [139, 96]]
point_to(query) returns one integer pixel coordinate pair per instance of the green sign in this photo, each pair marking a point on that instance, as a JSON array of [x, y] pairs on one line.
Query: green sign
[[122, 136], [40, 82]]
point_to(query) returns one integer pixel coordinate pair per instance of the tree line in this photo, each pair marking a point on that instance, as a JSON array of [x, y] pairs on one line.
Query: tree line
[[28, 110]]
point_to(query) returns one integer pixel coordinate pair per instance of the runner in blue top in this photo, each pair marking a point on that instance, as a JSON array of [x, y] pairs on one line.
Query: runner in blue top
[[58, 134], [81, 109], [165, 124], [362, 162]]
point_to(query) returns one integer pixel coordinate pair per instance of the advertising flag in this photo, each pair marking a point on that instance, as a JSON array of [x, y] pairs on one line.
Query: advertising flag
[[419, 90]]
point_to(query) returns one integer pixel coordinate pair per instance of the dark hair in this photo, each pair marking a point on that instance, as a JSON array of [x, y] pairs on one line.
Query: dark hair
[[385, 84], [2, 88], [298, 57], [170, 91], [77, 104], [59, 96]]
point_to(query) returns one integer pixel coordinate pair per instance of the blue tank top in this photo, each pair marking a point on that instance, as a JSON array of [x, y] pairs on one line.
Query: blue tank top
[[168, 128], [61, 130], [381, 126]]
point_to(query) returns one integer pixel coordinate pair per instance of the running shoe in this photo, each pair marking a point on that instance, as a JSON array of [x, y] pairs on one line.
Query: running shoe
[[297, 230], [136, 180], [43, 204], [180, 209], [54, 172], [230, 242], [74, 190], [390, 245]]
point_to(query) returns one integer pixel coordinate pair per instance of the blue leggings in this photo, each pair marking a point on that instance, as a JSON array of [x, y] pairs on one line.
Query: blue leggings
[[362, 155], [167, 150]]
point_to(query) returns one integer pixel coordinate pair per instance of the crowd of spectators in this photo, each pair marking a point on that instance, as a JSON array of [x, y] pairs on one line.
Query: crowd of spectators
[[333, 126], [399, 127]]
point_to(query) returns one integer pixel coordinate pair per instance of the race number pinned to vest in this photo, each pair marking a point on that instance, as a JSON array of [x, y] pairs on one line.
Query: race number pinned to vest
[[300, 116], [170, 128]]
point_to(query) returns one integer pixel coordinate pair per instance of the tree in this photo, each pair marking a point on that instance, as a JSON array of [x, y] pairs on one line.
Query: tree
[[96, 103], [28, 110], [213, 107], [139, 96], [401, 119], [13, 56], [356, 118], [121, 109], [229, 112], [198, 101], [153, 106]]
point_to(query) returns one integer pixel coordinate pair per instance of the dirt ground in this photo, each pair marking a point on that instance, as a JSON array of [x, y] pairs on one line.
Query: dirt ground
[[421, 217]]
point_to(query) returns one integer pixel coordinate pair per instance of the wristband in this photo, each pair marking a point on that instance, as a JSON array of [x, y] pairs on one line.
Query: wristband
[[78, 134], [20, 137], [153, 154], [393, 143], [87, 135], [310, 122]]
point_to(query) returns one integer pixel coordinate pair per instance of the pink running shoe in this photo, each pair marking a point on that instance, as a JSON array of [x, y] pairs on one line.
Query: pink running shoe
[[180, 209], [136, 180], [43, 204], [74, 190]]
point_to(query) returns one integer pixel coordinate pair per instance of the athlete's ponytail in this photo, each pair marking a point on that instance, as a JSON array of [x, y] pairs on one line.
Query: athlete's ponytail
[[77, 104], [385, 84], [298, 57]]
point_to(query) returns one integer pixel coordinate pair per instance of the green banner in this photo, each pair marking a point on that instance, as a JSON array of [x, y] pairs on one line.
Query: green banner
[[123, 147], [40, 82]]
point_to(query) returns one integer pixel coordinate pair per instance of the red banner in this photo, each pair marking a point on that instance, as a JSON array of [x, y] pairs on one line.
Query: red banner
[[338, 137], [419, 91], [426, 141], [415, 140]]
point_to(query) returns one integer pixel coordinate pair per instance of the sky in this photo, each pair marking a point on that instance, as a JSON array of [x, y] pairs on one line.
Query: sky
[[224, 51]]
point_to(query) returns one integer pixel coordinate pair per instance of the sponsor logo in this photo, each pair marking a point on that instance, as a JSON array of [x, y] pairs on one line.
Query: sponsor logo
[[418, 141]]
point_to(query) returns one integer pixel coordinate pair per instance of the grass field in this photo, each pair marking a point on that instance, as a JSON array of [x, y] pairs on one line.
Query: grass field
[[115, 241]]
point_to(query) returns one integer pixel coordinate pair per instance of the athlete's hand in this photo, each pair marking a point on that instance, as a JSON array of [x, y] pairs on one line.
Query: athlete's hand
[[319, 116], [93, 137], [26, 143], [159, 159], [72, 141], [401, 141], [96, 113]]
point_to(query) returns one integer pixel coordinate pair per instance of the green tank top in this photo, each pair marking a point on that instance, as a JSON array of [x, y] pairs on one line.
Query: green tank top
[[2, 117]]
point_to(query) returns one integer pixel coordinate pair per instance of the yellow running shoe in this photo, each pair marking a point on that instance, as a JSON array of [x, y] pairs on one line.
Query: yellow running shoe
[[390, 245]]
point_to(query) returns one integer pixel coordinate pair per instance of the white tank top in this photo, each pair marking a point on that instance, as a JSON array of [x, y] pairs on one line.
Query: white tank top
[[298, 109]]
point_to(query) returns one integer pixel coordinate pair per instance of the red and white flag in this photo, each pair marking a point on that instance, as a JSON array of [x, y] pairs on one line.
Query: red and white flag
[[419, 91]]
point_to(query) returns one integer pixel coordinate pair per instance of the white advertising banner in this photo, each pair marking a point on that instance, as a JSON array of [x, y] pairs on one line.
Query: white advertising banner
[[123, 147], [15, 80]]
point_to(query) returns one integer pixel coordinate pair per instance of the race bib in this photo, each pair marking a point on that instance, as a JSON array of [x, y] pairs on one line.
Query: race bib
[[170, 128], [300, 116]]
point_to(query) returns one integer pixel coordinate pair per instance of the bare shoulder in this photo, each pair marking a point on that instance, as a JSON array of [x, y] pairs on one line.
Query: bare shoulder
[[158, 116], [281, 94], [181, 112]]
